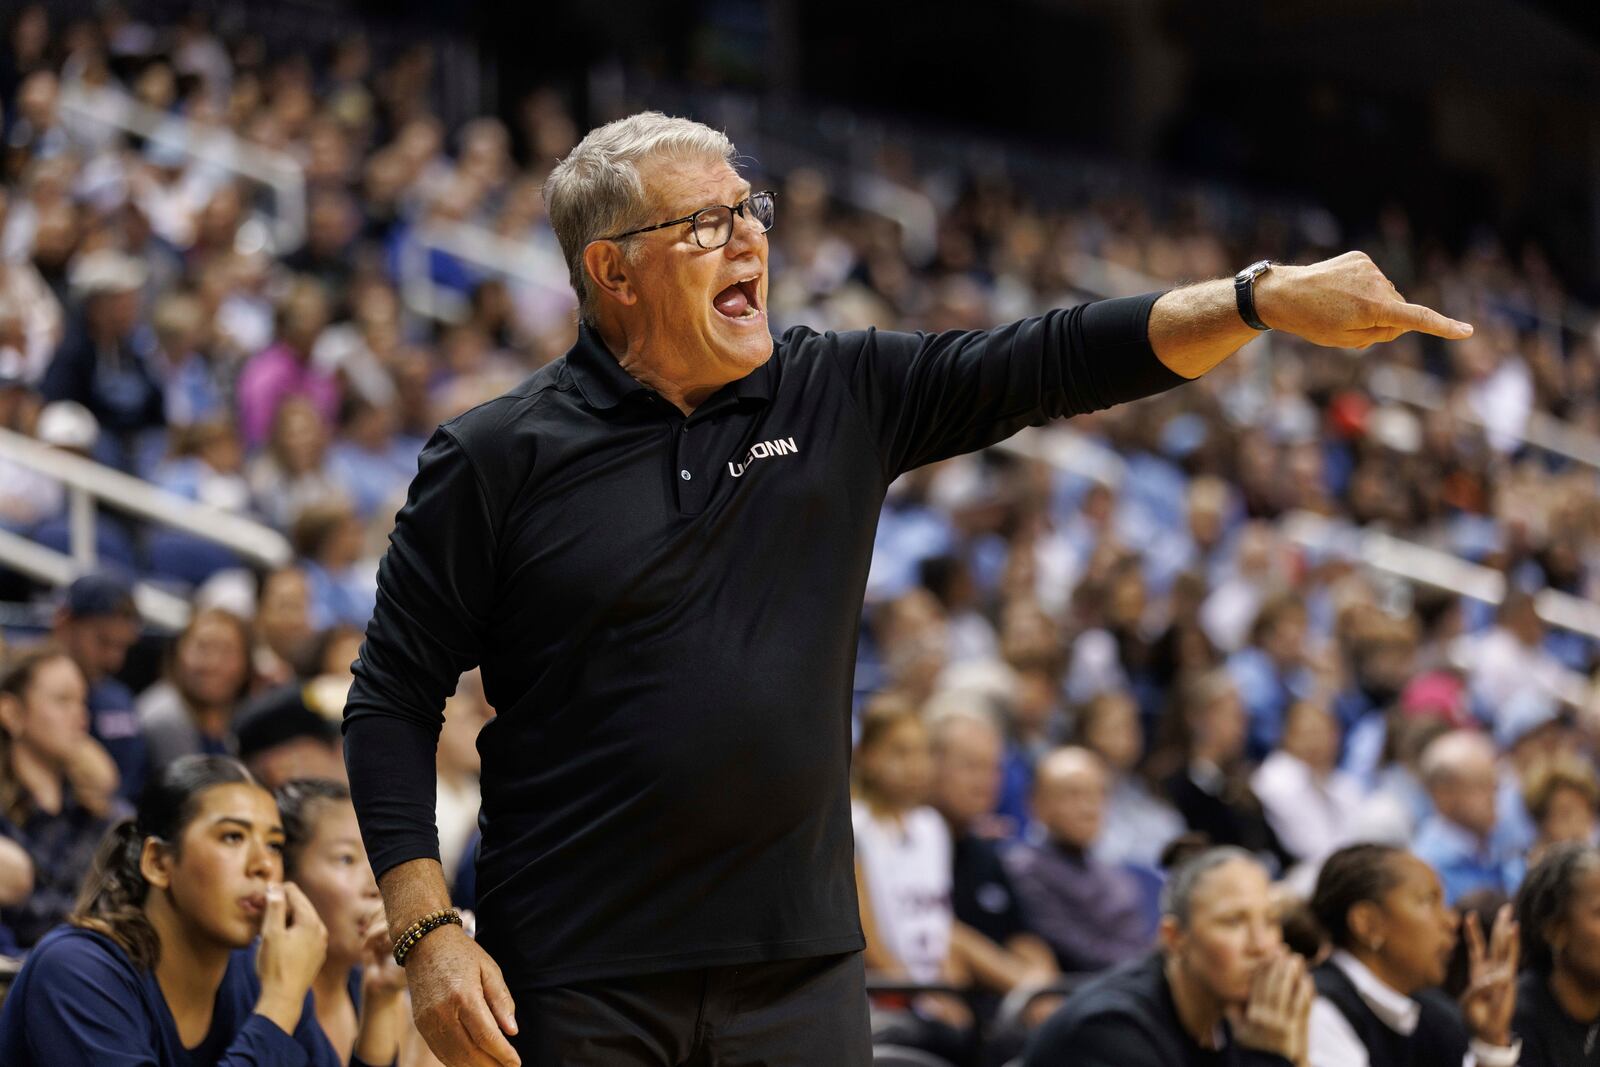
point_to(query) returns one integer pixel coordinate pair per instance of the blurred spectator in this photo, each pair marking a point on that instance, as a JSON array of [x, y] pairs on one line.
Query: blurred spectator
[[290, 476], [991, 934], [1204, 772], [106, 362], [30, 316], [903, 869], [1457, 840], [1177, 1005], [46, 756], [1511, 656], [1092, 915], [341, 586], [359, 993], [371, 463], [281, 736], [1310, 803], [457, 798], [1392, 932], [1137, 824], [207, 676], [283, 624], [284, 369], [1530, 730], [1398, 802], [96, 624], [1270, 673], [1558, 995], [1563, 798]]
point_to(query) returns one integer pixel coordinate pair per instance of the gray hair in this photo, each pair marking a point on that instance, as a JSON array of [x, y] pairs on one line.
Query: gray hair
[[597, 189], [1177, 896]]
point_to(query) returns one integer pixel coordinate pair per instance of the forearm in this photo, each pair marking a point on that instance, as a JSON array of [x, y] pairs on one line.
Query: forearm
[[411, 891], [994, 966], [1197, 327], [384, 1019]]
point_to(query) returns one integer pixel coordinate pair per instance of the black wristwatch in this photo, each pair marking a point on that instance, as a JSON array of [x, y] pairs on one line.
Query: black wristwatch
[[1244, 293]]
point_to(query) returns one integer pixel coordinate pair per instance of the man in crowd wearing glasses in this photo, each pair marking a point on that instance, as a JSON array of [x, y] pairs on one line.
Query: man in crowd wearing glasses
[[656, 547]]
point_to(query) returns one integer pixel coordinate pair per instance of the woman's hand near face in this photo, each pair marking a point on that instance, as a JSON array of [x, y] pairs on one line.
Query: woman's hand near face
[[1491, 995], [294, 944], [381, 976], [1277, 1017]]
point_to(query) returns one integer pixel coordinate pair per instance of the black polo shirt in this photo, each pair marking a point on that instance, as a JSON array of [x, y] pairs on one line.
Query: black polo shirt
[[665, 610]]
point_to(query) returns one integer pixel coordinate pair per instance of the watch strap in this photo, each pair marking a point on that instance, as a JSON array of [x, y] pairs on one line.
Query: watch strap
[[1244, 293]]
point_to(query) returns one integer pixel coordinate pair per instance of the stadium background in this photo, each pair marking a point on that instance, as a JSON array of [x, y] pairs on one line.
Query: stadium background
[[327, 215]]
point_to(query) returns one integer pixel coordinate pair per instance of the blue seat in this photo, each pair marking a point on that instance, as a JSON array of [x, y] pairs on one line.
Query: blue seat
[[1151, 881], [113, 546], [183, 557]]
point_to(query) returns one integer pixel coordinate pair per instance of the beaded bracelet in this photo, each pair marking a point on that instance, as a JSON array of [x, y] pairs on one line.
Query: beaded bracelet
[[420, 929]]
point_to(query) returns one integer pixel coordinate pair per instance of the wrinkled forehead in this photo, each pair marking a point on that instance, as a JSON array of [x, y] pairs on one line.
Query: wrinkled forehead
[[682, 186], [1232, 886]]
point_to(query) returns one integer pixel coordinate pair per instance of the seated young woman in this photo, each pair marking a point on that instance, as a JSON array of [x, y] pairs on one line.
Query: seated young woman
[[1558, 995], [360, 991], [155, 968], [56, 788], [1392, 936]]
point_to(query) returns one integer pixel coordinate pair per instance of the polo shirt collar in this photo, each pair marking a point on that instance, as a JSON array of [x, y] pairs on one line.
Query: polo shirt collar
[[1393, 1008], [605, 385]]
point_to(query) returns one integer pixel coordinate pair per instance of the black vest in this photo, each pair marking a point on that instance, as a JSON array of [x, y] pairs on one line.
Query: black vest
[[1440, 1039]]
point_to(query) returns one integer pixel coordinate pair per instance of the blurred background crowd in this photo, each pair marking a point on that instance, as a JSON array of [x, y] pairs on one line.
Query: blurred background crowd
[[1314, 598]]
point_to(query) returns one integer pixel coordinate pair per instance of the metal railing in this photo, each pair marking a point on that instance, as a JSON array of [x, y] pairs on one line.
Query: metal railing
[[115, 109], [1543, 431], [88, 483], [1418, 564]]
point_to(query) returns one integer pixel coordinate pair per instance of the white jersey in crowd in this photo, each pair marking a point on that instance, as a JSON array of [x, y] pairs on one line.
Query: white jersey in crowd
[[906, 865]]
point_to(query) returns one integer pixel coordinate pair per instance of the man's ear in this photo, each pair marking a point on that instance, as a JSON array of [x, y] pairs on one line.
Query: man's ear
[[1170, 934], [609, 271], [155, 863]]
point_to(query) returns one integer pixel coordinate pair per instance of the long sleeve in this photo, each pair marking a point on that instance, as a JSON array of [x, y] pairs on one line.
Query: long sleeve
[[1075, 910], [435, 587], [926, 397]]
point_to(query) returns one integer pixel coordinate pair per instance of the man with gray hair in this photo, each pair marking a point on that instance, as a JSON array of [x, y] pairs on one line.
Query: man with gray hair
[[1458, 840], [656, 548]]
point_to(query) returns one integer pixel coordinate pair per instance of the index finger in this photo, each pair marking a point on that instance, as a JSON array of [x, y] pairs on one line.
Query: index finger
[[1474, 933], [486, 1035], [1423, 320]]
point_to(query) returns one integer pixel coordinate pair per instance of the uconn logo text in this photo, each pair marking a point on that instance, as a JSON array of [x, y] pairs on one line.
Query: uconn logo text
[[783, 446]]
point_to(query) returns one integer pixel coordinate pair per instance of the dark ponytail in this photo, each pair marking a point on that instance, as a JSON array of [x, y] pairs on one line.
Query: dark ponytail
[[113, 897], [1351, 875], [1546, 898]]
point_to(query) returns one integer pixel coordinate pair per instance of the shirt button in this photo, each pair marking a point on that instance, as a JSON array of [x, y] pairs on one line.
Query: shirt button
[[684, 474]]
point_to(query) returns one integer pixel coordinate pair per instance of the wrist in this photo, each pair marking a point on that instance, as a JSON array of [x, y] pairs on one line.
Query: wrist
[[281, 1007]]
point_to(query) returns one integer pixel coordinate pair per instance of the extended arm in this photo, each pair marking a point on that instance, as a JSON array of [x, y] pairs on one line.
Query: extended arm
[[1344, 302]]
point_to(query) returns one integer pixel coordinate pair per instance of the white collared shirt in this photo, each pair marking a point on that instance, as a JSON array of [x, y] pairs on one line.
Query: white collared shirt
[[1334, 1042]]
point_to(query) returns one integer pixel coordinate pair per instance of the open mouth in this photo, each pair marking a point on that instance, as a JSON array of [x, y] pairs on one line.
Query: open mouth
[[741, 300]]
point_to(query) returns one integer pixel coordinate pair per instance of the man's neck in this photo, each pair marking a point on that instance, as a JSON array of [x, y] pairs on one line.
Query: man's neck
[[646, 368], [1577, 999]]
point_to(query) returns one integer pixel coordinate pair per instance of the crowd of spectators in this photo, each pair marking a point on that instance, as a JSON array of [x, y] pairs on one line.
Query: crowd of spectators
[[1063, 677]]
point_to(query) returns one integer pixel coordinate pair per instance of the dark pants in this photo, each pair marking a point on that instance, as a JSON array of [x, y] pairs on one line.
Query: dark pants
[[791, 1013]]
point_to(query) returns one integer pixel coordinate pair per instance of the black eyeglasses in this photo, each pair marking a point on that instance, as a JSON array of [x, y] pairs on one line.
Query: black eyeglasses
[[713, 226]]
